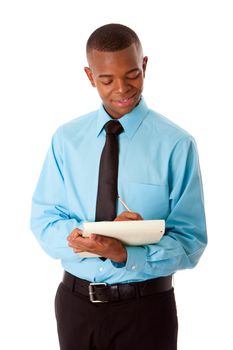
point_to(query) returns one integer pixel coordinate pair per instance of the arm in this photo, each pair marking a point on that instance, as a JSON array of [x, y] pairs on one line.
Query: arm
[[50, 220], [185, 238]]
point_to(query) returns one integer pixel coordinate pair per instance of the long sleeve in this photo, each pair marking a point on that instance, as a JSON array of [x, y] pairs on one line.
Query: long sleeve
[[50, 219], [185, 238], [158, 177]]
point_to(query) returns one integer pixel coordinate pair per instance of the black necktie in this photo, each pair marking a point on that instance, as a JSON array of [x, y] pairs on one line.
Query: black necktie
[[108, 173]]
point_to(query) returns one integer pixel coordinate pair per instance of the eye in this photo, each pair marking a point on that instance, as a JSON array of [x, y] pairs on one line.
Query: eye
[[133, 76], [107, 82]]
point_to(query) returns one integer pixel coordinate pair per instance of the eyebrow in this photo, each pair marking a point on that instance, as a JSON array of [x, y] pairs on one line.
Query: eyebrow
[[110, 75]]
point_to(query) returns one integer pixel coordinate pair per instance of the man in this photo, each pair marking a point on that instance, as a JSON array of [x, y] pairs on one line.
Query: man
[[123, 298]]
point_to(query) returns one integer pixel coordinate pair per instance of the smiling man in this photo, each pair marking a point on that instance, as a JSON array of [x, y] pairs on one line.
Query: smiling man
[[123, 297], [118, 77]]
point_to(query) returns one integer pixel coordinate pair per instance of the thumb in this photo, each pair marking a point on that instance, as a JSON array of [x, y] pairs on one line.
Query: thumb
[[93, 236], [96, 238]]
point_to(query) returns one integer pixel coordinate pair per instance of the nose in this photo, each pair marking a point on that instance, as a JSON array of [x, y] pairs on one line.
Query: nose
[[121, 86]]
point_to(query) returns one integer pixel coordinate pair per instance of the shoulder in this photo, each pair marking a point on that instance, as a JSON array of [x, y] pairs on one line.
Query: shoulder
[[166, 128], [168, 135], [77, 126]]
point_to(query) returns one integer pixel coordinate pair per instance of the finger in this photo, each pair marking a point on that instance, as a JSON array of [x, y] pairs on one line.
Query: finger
[[133, 216], [77, 242], [126, 215], [78, 250], [74, 234], [97, 238], [83, 243], [102, 240], [138, 216], [73, 245]]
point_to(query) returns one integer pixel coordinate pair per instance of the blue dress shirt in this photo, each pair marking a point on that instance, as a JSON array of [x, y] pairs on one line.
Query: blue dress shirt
[[159, 177]]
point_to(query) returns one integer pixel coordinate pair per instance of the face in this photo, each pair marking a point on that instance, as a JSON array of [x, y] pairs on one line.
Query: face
[[118, 77]]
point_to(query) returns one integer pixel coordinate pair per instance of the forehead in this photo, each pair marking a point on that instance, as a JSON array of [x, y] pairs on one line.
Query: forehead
[[111, 62]]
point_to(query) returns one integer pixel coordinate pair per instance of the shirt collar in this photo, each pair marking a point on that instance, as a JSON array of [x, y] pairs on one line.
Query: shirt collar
[[130, 121]]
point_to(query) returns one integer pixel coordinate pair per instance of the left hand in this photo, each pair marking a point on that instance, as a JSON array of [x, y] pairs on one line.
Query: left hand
[[107, 247]]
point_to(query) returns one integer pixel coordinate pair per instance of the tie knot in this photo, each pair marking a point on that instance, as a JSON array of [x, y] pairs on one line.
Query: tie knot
[[113, 127]]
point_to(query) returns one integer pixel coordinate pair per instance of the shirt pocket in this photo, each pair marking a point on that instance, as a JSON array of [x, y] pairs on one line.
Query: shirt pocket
[[149, 200]]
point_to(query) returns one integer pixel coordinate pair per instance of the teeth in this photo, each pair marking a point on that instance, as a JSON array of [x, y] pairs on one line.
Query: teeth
[[125, 100]]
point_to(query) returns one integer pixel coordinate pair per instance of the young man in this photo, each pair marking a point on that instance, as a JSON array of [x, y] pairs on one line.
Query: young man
[[123, 298]]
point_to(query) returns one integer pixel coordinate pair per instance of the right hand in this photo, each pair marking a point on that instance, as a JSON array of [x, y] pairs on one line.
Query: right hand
[[127, 216]]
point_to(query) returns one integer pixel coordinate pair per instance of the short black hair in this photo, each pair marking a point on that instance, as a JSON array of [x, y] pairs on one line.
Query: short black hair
[[112, 37]]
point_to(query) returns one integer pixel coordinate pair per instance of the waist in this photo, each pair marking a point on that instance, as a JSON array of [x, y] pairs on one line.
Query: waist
[[103, 292]]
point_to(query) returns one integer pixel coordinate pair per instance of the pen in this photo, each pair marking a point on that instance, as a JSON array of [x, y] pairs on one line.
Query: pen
[[124, 204]]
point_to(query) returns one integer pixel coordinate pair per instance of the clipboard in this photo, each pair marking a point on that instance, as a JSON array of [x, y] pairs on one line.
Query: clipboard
[[132, 232]]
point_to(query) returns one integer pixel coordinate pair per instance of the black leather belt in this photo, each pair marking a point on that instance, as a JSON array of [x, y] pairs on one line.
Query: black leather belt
[[103, 292]]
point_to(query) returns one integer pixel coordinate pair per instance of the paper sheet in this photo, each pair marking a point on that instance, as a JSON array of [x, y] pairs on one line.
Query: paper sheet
[[135, 232]]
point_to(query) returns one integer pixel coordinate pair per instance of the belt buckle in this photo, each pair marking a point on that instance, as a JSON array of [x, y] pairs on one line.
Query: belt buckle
[[92, 292]]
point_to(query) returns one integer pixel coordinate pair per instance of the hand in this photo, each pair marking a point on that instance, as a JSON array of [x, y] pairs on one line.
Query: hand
[[128, 215], [107, 247]]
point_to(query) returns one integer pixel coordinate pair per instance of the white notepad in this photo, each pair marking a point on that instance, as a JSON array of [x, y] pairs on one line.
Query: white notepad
[[135, 232]]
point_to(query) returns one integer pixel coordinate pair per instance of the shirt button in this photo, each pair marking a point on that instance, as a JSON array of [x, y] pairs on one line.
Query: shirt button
[[133, 267], [101, 269]]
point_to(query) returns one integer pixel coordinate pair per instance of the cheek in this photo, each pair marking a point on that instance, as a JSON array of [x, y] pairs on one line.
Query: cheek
[[103, 91], [139, 83]]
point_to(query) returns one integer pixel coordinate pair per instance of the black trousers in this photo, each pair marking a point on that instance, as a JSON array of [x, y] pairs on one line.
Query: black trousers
[[143, 323]]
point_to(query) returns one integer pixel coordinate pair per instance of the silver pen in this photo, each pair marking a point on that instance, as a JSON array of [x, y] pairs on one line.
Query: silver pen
[[124, 204]]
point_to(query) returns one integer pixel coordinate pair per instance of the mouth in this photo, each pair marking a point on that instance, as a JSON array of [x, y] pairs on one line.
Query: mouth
[[126, 102]]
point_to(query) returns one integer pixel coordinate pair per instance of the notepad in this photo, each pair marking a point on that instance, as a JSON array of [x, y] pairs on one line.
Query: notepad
[[133, 232]]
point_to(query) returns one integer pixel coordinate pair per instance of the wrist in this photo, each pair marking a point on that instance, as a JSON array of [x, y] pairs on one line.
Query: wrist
[[122, 257]]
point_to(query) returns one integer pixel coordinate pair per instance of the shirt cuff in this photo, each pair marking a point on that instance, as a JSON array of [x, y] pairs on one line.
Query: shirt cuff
[[136, 258]]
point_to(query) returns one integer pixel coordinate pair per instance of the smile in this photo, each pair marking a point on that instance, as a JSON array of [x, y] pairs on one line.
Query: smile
[[125, 102]]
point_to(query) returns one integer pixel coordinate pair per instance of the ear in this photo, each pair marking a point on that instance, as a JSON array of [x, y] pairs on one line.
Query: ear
[[144, 64], [90, 75]]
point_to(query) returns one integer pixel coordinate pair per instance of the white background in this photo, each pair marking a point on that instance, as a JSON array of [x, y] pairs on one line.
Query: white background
[[42, 85]]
